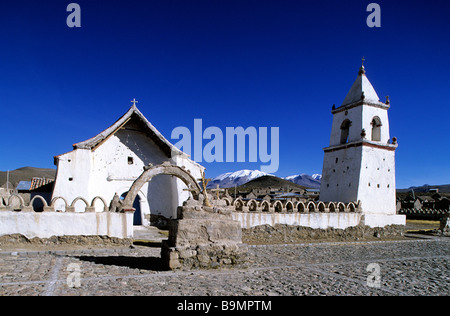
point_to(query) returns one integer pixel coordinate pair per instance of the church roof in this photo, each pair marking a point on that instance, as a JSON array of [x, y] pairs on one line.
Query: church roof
[[135, 114], [360, 87]]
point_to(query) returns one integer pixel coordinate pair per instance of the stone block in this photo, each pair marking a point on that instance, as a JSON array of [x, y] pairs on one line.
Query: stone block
[[203, 237], [204, 231]]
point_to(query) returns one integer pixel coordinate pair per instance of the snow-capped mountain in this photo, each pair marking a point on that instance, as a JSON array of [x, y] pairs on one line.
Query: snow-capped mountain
[[230, 179], [306, 180], [237, 178]]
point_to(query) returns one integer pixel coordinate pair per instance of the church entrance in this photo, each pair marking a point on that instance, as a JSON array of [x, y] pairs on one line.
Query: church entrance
[[137, 217], [153, 171]]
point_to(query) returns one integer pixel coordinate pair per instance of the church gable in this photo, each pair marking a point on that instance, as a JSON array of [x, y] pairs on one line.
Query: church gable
[[132, 120], [123, 154]]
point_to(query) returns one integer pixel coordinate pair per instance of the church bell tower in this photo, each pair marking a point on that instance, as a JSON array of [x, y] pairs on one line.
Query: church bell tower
[[359, 164]]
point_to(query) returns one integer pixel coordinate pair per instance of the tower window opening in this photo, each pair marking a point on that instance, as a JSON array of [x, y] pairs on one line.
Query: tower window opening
[[345, 129], [376, 129]]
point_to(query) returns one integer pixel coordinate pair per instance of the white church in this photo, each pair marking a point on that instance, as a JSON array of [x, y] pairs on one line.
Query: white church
[[110, 162], [359, 163], [358, 170], [358, 166]]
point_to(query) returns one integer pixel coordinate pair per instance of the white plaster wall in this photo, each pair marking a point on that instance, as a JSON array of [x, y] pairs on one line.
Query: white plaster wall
[[69, 167], [348, 179], [381, 220], [312, 220], [340, 178], [48, 224], [378, 170]]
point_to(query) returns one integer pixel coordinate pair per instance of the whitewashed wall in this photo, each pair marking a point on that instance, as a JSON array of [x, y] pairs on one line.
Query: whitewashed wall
[[312, 220], [48, 224]]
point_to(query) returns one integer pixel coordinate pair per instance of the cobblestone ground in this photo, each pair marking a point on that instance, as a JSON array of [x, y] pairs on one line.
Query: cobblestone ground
[[412, 267]]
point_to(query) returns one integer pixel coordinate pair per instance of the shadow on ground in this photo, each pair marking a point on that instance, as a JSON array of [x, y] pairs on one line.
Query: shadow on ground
[[141, 263], [146, 243]]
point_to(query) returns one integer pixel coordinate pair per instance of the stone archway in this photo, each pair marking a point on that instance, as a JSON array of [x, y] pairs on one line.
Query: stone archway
[[203, 236], [152, 171]]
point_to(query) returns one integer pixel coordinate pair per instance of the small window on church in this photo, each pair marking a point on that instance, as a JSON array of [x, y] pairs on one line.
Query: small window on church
[[376, 129], [345, 129], [130, 160]]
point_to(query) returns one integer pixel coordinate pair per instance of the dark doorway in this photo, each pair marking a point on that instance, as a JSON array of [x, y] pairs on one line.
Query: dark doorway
[[137, 217]]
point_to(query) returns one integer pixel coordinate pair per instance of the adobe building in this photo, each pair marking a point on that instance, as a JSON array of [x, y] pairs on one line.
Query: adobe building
[[109, 163]]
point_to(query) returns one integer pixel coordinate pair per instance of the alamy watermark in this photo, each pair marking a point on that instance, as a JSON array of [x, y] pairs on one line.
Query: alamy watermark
[[236, 144], [374, 18], [74, 278], [374, 278], [74, 18]]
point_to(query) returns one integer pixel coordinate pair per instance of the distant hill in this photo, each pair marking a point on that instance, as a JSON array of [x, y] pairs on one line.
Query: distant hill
[[237, 178], [306, 180], [240, 177], [26, 174], [268, 181], [443, 188]]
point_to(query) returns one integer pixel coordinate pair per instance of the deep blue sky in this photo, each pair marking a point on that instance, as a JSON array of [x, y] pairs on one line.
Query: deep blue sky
[[229, 62]]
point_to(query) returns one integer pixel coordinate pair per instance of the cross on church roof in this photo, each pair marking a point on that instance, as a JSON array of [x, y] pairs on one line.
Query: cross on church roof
[[362, 61], [134, 102]]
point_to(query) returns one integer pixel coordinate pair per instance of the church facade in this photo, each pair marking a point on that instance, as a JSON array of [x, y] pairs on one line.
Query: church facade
[[359, 163], [110, 162]]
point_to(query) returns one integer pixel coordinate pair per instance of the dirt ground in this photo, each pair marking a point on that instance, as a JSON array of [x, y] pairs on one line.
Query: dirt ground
[[413, 225]]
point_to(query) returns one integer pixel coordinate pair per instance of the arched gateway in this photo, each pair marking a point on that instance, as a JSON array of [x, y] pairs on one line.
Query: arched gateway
[[207, 237], [152, 171]]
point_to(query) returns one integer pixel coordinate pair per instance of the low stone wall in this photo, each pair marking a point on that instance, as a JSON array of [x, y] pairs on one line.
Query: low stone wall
[[48, 224], [312, 220], [18, 240], [426, 214], [280, 233], [96, 219]]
